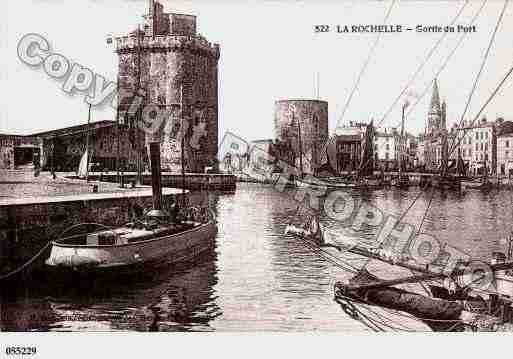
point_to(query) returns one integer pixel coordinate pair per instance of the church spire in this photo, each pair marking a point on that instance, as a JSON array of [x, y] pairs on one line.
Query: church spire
[[434, 107]]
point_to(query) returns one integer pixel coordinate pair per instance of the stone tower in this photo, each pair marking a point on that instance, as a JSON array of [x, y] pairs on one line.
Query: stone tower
[[312, 117], [176, 71]]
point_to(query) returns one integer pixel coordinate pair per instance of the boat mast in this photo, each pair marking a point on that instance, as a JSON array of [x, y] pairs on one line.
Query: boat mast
[[300, 147], [117, 137], [87, 143], [401, 141], [156, 185], [138, 158], [182, 144]]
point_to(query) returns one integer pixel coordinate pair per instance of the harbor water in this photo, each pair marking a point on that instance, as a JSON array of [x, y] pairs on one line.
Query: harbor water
[[256, 278]]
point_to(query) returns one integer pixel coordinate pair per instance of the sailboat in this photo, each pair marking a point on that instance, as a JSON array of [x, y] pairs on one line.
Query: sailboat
[[482, 183], [365, 174], [443, 180], [83, 166], [451, 306]]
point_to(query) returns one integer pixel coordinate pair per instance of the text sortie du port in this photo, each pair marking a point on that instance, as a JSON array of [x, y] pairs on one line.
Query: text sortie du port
[[370, 28]]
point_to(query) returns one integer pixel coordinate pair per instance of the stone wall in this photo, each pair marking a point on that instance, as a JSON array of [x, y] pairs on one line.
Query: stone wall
[[25, 229]]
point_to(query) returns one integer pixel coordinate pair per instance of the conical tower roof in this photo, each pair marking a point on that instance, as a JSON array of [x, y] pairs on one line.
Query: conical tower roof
[[434, 107]]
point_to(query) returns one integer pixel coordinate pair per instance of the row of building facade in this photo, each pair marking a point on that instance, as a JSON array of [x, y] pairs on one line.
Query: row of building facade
[[302, 140]]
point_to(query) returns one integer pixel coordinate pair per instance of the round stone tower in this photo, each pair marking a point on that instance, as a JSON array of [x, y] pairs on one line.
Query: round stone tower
[[308, 117], [176, 71]]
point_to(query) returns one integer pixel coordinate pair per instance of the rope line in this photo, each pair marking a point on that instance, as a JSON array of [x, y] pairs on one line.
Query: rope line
[[444, 64], [419, 69], [499, 20], [366, 63], [448, 58]]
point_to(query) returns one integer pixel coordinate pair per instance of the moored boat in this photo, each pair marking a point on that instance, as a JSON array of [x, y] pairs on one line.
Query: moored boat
[[154, 239], [157, 237], [477, 184]]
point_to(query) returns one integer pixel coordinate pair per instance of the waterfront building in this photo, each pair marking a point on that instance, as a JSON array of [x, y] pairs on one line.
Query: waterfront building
[[19, 150], [175, 69], [478, 145], [411, 150], [348, 147], [63, 148], [386, 149], [420, 161], [504, 147]]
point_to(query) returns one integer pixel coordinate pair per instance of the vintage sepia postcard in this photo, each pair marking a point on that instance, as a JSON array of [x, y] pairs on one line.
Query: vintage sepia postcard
[[253, 167]]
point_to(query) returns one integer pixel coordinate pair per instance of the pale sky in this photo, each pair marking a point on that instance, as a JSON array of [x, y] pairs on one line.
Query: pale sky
[[269, 51]]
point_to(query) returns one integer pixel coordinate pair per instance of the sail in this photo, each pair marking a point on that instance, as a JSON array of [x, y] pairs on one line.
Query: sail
[[82, 167]]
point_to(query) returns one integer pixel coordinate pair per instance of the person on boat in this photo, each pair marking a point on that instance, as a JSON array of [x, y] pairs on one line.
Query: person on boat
[[315, 234], [174, 211]]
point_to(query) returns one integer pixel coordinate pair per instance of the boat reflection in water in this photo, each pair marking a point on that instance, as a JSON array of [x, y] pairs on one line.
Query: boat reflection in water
[[179, 298]]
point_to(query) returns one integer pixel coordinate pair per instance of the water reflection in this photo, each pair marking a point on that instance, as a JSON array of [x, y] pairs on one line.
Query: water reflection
[[256, 278], [176, 299]]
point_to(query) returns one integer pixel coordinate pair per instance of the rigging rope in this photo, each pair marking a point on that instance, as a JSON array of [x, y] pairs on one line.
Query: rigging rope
[[366, 63], [26, 264], [444, 64], [506, 76], [499, 20], [419, 69], [448, 58]]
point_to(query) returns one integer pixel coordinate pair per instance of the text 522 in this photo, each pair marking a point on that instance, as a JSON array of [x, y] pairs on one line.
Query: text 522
[[321, 28]]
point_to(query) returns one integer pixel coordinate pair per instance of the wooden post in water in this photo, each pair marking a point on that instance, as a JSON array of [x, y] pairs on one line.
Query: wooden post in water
[[156, 185]]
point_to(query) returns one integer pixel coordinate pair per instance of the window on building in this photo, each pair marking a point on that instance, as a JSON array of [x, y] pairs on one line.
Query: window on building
[[477, 146], [477, 135], [386, 156], [486, 146], [486, 156], [470, 152], [507, 143], [486, 134], [506, 154], [388, 147]]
